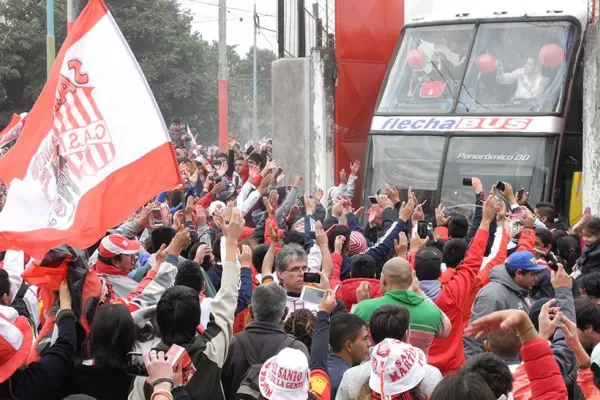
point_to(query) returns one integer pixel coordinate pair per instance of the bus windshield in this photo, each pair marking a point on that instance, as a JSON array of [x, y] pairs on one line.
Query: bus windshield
[[512, 67], [524, 162], [517, 67], [428, 68]]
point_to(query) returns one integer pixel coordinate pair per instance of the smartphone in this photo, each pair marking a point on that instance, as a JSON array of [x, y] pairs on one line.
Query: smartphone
[[552, 260], [422, 229], [249, 150], [312, 277], [135, 365], [373, 199], [467, 182], [500, 186], [157, 219], [312, 295]]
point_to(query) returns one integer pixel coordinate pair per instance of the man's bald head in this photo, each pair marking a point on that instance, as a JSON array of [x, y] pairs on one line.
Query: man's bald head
[[396, 274]]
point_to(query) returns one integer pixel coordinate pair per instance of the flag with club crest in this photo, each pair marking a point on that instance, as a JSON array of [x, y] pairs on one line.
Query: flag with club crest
[[95, 146]]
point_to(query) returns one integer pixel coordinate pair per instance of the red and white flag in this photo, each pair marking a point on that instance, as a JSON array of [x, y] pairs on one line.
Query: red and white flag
[[13, 129], [95, 146]]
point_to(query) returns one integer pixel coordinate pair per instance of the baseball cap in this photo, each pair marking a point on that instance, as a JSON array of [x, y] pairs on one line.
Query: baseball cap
[[285, 376], [396, 368], [115, 244], [429, 258], [523, 260]]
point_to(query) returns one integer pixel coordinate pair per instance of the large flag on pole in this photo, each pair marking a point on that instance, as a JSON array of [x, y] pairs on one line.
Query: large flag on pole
[[94, 148]]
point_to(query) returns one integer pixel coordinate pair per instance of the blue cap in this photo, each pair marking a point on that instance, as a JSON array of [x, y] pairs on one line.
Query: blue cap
[[523, 260]]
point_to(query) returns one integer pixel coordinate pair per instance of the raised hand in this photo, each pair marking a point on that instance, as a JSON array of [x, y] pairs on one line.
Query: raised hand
[[392, 193], [384, 201], [201, 214], [297, 181], [499, 320], [222, 170], [401, 245], [233, 229], [489, 209], [339, 243], [309, 206], [416, 243], [318, 195], [440, 219], [253, 171], [320, 235], [245, 256], [354, 167]]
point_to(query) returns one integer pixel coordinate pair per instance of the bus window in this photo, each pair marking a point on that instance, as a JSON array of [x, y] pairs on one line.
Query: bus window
[[427, 70], [406, 161], [517, 67], [524, 162]]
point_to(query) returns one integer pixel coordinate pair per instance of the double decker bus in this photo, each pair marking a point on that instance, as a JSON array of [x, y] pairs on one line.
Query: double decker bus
[[492, 91]]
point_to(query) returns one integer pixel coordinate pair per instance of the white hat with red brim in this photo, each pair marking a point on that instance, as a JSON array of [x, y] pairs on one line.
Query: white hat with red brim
[[115, 244]]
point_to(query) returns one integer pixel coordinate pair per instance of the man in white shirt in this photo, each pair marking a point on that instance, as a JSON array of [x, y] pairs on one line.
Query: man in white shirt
[[529, 79]]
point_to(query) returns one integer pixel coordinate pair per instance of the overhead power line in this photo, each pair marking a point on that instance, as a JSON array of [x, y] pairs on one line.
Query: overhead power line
[[234, 8]]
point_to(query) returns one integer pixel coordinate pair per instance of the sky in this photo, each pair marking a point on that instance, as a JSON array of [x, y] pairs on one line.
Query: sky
[[239, 32]]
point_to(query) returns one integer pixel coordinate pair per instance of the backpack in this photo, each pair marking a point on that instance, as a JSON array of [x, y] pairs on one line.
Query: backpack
[[249, 389], [19, 302]]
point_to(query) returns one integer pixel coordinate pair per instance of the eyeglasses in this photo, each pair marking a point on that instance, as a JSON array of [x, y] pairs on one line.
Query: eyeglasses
[[297, 270]]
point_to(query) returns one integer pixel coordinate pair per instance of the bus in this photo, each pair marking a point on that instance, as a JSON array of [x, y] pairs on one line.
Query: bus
[[491, 91]]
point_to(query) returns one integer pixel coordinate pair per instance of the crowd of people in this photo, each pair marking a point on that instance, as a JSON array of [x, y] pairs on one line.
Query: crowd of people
[[235, 285]]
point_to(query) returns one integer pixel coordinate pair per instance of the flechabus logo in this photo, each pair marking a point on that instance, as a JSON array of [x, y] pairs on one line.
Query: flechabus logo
[[454, 124]]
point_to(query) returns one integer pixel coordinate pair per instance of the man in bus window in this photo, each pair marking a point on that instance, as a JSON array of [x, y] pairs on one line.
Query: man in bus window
[[529, 79]]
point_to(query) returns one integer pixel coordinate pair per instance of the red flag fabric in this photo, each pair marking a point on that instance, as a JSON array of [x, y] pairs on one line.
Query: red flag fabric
[[13, 129], [95, 146]]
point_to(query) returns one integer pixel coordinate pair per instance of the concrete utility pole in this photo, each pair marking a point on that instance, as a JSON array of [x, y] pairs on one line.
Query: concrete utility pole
[[72, 13], [591, 112], [255, 82], [223, 113], [50, 40]]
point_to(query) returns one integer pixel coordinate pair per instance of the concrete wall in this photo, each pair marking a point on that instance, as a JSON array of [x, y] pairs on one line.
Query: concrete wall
[[591, 119], [303, 117]]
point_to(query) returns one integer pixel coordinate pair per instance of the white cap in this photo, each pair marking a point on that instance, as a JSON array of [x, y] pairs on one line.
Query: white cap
[[285, 376], [396, 368]]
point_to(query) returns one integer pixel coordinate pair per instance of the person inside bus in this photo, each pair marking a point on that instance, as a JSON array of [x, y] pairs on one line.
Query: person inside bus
[[529, 79]]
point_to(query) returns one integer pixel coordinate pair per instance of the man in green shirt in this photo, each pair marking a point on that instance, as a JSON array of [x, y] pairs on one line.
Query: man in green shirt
[[426, 319]]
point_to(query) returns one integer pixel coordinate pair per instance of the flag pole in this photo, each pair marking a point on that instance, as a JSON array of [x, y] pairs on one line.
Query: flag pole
[[255, 82], [72, 12], [223, 113], [50, 41]]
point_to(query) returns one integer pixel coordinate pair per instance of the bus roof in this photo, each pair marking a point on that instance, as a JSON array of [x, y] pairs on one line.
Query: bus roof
[[422, 11]]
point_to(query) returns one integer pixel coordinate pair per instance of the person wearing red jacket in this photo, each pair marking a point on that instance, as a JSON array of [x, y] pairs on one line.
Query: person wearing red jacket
[[452, 296], [363, 270]]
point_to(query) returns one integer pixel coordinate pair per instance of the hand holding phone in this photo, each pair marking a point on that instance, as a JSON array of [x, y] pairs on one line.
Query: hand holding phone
[[422, 229], [157, 218], [552, 261], [312, 295], [135, 365], [312, 277]]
